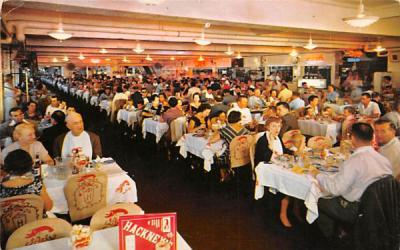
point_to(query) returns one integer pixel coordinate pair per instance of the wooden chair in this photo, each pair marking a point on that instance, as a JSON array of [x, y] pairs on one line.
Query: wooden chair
[[178, 128], [319, 143], [39, 231], [115, 107], [294, 138], [240, 151], [108, 216], [86, 193], [19, 210]]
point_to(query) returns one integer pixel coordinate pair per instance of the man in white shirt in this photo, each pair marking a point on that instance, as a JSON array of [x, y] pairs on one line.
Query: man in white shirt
[[77, 137], [364, 167], [54, 105], [389, 144], [243, 109], [367, 107]]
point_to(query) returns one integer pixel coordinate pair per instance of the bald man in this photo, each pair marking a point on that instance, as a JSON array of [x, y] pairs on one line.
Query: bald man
[[77, 137]]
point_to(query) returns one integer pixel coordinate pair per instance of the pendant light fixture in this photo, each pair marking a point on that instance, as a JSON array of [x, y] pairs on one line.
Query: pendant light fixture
[[125, 60], [361, 20], [138, 49], [239, 56], [229, 52], [294, 53], [202, 41], [65, 59], [172, 58], [81, 57], [200, 59], [310, 45], [148, 58], [60, 34], [103, 51]]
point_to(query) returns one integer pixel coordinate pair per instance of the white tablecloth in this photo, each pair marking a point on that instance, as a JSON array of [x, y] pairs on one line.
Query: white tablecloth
[[105, 105], [130, 117], [93, 100], [300, 186], [79, 92], [155, 127], [198, 146], [86, 96], [121, 188], [315, 128], [106, 239]]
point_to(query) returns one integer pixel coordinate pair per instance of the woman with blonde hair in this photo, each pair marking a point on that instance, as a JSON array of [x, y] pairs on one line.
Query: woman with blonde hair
[[25, 138]]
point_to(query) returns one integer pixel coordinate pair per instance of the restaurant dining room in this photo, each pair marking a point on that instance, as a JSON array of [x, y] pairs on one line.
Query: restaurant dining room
[[200, 124]]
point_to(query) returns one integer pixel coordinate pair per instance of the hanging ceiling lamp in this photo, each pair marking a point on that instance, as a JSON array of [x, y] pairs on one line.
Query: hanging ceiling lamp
[[107, 59], [229, 52], [202, 41], [138, 48], [310, 45], [239, 56], [103, 51], [172, 58], [54, 60], [65, 59], [60, 34], [125, 60], [379, 48], [361, 20], [200, 59], [95, 60], [294, 53], [81, 57], [148, 58]]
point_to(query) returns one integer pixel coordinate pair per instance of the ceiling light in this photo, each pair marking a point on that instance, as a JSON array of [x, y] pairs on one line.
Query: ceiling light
[[138, 48], [229, 52], [310, 45], [202, 41], [103, 51], [172, 58], [125, 59], [294, 53], [60, 34], [239, 56], [54, 60], [379, 48], [95, 60], [107, 59], [65, 59], [81, 57], [361, 20], [200, 59], [180, 52], [148, 58]]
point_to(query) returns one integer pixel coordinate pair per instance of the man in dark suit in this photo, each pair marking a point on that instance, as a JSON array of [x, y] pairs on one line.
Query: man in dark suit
[[289, 121], [77, 137], [50, 134]]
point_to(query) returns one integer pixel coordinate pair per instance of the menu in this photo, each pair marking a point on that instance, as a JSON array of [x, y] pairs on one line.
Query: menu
[[148, 231]]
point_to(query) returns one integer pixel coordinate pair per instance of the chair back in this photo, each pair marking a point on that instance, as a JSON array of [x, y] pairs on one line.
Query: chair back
[[115, 107], [293, 138], [86, 193], [19, 210], [39, 231], [108, 216], [378, 223], [178, 128], [319, 143], [239, 150]]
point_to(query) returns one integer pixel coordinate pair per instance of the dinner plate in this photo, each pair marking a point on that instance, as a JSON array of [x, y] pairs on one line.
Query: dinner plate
[[332, 169]]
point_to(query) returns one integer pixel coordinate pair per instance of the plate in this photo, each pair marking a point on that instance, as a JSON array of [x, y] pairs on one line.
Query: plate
[[332, 169]]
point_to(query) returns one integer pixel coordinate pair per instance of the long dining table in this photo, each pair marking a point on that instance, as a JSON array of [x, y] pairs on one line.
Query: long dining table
[[120, 186], [106, 239]]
